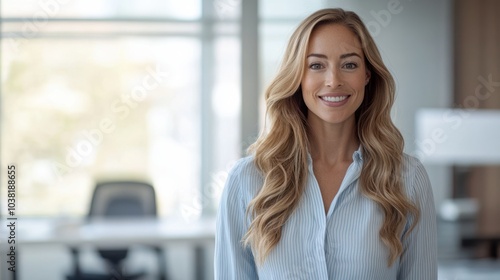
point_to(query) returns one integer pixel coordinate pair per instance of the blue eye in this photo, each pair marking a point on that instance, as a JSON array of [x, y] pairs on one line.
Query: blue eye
[[350, 65], [315, 66]]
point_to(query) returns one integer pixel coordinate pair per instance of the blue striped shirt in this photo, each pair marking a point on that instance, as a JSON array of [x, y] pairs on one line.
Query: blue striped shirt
[[343, 244]]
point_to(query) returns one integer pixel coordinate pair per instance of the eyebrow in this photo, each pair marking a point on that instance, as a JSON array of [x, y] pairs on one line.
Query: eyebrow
[[346, 55]]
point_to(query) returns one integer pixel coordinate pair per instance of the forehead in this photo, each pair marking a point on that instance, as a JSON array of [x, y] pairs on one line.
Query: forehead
[[333, 38]]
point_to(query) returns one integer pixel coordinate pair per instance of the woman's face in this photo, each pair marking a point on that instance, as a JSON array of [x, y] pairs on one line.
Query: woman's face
[[333, 84]]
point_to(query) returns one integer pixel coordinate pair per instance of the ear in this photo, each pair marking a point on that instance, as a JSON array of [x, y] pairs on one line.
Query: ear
[[368, 76]]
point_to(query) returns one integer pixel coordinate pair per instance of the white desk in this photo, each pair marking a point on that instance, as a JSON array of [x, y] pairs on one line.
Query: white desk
[[108, 234]]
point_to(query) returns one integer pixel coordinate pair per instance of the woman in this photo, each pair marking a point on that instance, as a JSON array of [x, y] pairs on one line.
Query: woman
[[327, 192]]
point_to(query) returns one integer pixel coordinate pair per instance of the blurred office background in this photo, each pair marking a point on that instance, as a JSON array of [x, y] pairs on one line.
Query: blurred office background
[[170, 92]]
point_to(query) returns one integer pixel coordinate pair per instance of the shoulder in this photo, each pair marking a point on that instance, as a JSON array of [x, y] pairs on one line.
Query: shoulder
[[412, 165], [244, 179], [244, 167], [415, 177]]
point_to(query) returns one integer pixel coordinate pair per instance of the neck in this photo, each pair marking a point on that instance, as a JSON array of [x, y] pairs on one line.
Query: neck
[[333, 143]]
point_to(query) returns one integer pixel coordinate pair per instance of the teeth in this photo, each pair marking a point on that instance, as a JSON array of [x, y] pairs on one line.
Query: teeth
[[334, 98]]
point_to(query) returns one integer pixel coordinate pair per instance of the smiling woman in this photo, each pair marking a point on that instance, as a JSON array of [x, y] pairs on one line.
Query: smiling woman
[[333, 88], [327, 181], [334, 81]]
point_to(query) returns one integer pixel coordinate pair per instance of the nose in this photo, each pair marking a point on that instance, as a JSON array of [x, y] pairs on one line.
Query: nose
[[333, 78]]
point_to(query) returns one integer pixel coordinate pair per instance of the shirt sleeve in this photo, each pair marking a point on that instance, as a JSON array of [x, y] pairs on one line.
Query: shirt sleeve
[[232, 259], [419, 259]]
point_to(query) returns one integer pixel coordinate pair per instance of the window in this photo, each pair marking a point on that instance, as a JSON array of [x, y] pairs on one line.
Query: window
[[278, 19], [95, 90]]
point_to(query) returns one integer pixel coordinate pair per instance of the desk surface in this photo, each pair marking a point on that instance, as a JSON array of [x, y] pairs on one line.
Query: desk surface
[[113, 232]]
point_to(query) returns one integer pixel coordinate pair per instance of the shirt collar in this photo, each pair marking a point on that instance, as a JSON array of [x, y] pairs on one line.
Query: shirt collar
[[357, 156]]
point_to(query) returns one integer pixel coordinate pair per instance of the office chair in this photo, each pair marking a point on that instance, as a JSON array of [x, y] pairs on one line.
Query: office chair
[[119, 199]]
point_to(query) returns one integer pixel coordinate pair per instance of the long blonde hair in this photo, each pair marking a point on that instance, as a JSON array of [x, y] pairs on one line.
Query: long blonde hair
[[281, 150]]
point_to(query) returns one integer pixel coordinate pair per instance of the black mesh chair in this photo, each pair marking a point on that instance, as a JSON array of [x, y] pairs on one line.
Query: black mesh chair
[[119, 199]]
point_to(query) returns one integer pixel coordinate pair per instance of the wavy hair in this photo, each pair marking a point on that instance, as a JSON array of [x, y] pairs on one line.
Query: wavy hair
[[281, 150]]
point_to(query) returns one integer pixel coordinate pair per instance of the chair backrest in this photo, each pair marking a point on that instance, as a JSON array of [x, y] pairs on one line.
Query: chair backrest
[[123, 199]]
